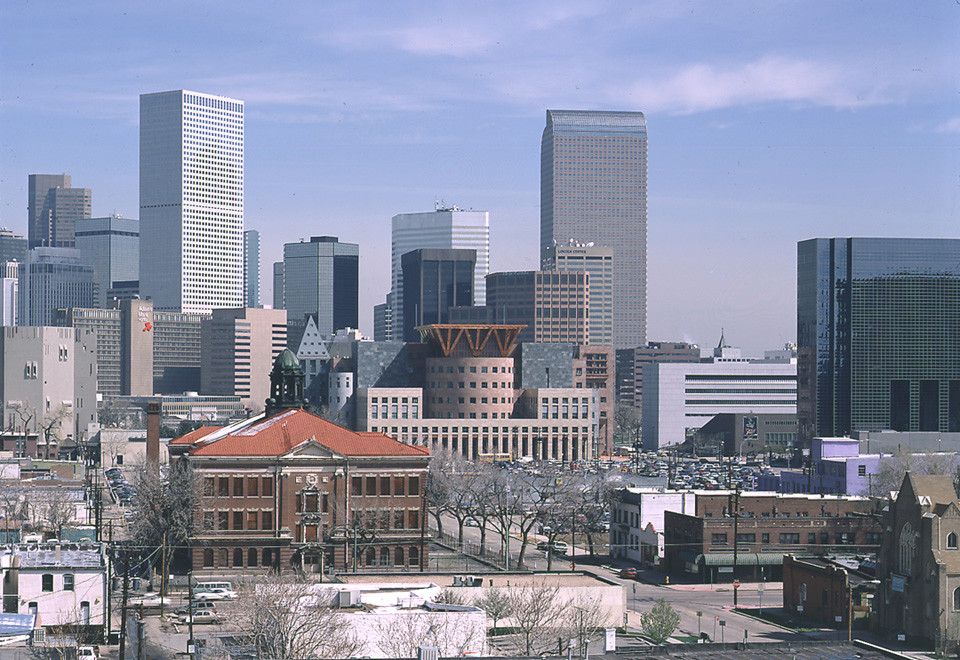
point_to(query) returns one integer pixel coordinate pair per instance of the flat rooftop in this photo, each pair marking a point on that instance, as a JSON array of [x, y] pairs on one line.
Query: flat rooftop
[[565, 579]]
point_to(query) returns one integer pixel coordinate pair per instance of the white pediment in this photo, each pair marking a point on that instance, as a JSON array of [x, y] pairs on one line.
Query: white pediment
[[311, 449]]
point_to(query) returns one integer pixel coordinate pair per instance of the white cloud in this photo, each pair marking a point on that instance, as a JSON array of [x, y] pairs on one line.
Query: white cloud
[[949, 126], [702, 87]]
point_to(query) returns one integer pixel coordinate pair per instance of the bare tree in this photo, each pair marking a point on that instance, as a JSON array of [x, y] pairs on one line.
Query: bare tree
[[58, 511], [536, 612], [892, 469], [282, 618], [50, 428], [586, 617], [166, 502], [403, 633], [496, 603], [659, 622]]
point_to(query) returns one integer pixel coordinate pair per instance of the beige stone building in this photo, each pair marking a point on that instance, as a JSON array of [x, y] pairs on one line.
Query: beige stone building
[[237, 350]]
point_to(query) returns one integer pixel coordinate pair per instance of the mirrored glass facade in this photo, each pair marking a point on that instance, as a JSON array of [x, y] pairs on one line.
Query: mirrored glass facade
[[878, 331]]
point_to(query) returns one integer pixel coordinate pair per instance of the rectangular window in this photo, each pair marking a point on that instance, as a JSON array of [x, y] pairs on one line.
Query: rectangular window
[[746, 538], [267, 486], [253, 486], [208, 520], [398, 520], [208, 486], [718, 539], [311, 502], [790, 538], [238, 519], [861, 470], [223, 484], [223, 520], [384, 485], [325, 503], [252, 519], [414, 517], [266, 519], [929, 405], [765, 538], [68, 581], [371, 485], [900, 405], [811, 537], [414, 555], [356, 486], [47, 582], [413, 485], [238, 487]]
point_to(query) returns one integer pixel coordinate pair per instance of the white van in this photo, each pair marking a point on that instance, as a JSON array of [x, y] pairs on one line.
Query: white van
[[200, 587]]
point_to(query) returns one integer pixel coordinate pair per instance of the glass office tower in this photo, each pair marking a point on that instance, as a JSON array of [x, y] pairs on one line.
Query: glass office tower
[[878, 331], [434, 280]]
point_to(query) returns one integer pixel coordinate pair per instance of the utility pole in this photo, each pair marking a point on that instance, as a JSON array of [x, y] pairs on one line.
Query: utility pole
[[123, 607], [191, 649], [163, 571], [849, 613], [113, 558], [736, 519]]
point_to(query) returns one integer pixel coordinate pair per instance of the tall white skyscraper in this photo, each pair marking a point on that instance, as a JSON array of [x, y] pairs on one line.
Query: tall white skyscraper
[[191, 201], [444, 228]]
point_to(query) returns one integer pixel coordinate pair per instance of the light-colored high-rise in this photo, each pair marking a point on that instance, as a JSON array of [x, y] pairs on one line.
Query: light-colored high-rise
[[53, 208], [451, 228], [598, 262], [191, 201], [593, 189]]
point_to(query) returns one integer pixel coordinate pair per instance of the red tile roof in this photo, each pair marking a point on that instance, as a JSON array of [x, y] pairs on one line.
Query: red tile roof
[[280, 434], [194, 435]]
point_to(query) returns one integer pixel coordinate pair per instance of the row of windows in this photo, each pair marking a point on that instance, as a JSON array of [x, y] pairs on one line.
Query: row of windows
[[472, 369], [242, 486], [237, 520], [372, 486], [793, 538]]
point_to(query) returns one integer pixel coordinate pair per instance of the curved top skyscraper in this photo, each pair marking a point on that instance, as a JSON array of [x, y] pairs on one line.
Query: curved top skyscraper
[[593, 189]]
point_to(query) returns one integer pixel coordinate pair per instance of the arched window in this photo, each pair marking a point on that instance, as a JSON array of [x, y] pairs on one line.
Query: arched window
[[905, 549], [238, 557], [952, 541], [956, 599], [208, 557]]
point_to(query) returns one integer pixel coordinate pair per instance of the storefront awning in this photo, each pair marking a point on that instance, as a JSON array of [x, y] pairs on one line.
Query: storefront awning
[[743, 559]]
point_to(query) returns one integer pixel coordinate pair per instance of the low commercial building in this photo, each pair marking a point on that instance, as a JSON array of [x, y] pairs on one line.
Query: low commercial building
[[288, 488], [637, 521], [63, 585], [732, 534], [919, 563], [631, 361], [189, 406], [828, 591], [747, 433]]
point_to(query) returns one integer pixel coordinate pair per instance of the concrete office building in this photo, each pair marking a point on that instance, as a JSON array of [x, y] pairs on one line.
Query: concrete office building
[[53, 208], [878, 330], [238, 348], [111, 246], [593, 189], [13, 246], [321, 279], [251, 268], [48, 384], [135, 342], [434, 280], [631, 361], [597, 262], [679, 398], [9, 293], [451, 228], [191, 201], [49, 279], [553, 306]]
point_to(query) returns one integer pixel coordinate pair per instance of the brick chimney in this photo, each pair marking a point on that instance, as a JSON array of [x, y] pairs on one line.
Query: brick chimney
[[153, 432]]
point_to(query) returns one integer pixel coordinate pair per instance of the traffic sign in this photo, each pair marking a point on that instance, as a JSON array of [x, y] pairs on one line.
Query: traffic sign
[[736, 584]]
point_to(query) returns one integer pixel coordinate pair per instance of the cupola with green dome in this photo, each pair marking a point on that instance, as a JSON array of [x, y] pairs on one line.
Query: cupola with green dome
[[286, 383]]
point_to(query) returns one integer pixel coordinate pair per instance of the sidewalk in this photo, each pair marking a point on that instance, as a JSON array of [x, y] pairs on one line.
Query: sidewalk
[[744, 586]]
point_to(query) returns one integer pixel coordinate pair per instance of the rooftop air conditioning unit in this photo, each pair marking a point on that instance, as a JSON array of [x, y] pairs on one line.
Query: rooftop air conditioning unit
[[349, 598]]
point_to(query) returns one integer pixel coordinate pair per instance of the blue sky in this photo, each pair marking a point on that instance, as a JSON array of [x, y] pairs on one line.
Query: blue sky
[[769, 123]]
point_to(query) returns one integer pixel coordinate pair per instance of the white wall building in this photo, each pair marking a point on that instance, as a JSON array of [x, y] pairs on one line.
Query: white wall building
[[9, 292], [680, 397], [191, 201], [61, 584], [444, 228], [636, 520]]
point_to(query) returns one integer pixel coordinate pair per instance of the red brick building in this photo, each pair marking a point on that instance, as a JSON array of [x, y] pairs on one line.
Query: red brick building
[[769, 526], [291, 489], [823, 591]]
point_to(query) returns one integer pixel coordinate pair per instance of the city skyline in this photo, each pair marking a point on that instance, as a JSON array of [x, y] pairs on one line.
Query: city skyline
[[785, 126]]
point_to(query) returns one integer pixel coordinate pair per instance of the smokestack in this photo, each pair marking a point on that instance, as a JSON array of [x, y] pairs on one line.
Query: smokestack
[[153, 433]]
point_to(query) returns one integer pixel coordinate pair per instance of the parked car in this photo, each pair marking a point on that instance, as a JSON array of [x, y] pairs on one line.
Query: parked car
[[558, 548], [628, 573], [148, 599], [201, 616], [471, 522], [203, 605], [216, 594], [87, 653]]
